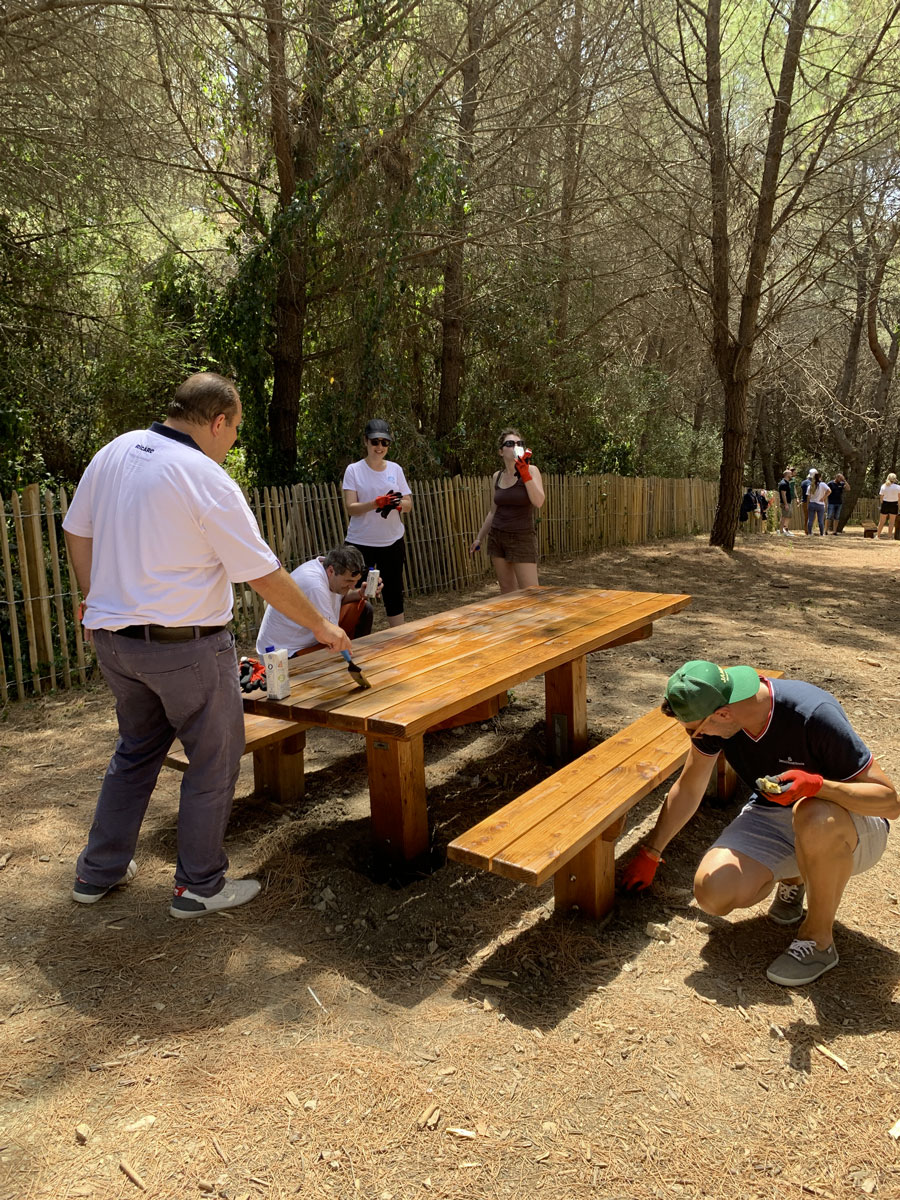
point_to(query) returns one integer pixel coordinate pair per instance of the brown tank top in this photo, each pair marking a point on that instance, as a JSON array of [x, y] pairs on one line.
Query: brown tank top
[[514, 512]]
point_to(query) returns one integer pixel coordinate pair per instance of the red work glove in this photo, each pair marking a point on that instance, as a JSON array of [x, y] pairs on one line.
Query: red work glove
[[639, 873], [394, 500], [802, 784], [383, 502], [522, 468]]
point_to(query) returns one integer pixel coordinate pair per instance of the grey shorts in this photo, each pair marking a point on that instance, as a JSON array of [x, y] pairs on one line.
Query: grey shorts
[[767, 836]]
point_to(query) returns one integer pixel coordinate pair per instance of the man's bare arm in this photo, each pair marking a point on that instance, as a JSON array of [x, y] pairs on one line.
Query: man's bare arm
[[871, 793], [81, 552], [683, 799]]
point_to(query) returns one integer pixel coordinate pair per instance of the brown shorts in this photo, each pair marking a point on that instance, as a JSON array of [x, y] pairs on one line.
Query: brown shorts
[[514, 547]]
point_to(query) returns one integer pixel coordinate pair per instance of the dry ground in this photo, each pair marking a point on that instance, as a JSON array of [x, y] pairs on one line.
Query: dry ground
[[289, 1047]]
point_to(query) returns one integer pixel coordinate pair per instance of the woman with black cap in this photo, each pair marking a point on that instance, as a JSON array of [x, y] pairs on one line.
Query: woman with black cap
[[375, 494]]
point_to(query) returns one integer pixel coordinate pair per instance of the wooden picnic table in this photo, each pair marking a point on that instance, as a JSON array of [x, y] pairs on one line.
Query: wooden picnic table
[[428, 671]]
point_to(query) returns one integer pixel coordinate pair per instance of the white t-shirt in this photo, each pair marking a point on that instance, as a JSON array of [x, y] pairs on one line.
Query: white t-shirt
[[372, 529], [821, 494], [171, 530], [890, 492], [278, 631]]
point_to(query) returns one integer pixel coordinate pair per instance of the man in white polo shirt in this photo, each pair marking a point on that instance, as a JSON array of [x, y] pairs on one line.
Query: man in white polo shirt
[[329, 584], [157, 532]]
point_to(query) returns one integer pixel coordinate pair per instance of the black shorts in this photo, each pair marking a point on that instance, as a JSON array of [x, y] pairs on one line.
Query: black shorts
[[390, 561], [889, 508]]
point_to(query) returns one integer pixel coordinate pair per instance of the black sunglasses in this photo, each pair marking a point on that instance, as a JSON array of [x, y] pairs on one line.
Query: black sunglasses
[[509, 445], [379, 441]]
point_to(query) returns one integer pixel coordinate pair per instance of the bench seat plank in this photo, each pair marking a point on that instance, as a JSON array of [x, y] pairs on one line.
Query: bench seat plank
[[638, 757], [566, 827], [547, 846], [259, 732]]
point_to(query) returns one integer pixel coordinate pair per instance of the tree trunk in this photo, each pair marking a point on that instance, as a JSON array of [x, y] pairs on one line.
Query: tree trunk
[[296, 144], [733, 353], [571, 163], [452, 331], [858, 456]]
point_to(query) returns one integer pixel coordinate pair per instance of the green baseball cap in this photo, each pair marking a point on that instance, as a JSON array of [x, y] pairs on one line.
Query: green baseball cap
[[699, 687]]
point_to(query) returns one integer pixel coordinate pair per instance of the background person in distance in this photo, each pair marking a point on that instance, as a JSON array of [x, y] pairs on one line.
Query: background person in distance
[[509, 525], [375, 494]]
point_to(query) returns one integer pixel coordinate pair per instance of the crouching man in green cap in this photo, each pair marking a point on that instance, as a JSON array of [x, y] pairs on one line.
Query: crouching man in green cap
[[829, 820]]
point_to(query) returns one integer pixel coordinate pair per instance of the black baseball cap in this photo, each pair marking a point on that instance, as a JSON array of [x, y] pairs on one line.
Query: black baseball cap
[[378, 428]]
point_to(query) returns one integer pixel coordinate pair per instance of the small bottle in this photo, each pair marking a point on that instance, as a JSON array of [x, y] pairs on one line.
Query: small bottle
[[372, 583], [278, 685]]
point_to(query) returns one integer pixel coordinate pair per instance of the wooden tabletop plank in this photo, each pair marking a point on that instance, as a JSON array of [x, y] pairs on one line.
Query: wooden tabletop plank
[[320, 680], [456, 655], [491, 838], [458, 652], [476, 677], [458, 658]]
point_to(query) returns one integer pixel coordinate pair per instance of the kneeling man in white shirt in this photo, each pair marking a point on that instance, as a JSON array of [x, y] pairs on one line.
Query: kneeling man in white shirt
[[330, 585]]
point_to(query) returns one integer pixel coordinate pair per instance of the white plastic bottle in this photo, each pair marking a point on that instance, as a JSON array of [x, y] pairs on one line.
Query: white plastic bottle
[[278, 685]]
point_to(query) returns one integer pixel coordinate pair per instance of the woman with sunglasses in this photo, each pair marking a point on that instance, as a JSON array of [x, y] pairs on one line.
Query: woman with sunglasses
[[509, 526], [375, 494]]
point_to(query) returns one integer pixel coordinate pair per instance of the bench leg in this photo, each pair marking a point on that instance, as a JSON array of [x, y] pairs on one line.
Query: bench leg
[[566, 698], [278, 769], [587, 881], [397, 796]]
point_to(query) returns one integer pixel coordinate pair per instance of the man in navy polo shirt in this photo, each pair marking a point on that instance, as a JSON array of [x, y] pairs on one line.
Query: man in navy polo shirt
[[829, 822], [158, 532]]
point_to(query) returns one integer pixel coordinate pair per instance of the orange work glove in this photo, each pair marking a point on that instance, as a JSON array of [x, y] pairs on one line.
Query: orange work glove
[[801, 784], [639, 873], [522, 468]]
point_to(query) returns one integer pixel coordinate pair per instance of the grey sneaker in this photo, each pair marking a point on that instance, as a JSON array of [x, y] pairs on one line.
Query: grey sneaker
[[801, 963], [787, 907], [186, 903], [90, 893]]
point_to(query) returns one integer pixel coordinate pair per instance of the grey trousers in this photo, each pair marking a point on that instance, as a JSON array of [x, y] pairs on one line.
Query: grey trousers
[[188, 690]]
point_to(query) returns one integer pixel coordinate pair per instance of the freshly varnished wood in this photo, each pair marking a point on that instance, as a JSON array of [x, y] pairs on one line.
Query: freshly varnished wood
[[566, 827], [435, 671], [396, 796]]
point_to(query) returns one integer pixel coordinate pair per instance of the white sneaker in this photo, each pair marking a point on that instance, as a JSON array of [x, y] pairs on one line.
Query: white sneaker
[[186, 903], [90, 893]]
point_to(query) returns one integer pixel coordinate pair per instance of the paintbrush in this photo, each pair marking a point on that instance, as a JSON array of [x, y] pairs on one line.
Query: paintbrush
[[355, 671]]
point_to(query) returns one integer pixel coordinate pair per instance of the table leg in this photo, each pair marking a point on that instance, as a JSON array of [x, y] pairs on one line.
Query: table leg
[[397, 796], [566, 697]]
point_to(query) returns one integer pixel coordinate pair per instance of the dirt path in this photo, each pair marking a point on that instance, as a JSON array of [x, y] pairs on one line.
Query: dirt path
[[289, 1048]]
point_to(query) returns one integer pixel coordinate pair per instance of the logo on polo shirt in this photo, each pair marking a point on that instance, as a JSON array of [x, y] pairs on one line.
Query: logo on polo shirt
[[146, 449]]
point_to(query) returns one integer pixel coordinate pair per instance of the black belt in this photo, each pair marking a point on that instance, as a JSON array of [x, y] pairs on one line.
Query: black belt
[[169, 633]]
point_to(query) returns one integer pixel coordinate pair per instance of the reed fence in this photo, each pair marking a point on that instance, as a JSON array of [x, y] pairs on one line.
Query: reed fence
[[42, 647]]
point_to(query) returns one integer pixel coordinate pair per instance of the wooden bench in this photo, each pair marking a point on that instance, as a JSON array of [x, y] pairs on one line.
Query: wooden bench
[[568, 825], [277, 747]]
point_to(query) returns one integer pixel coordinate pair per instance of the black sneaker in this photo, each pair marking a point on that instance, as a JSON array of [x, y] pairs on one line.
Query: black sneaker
[[90, 893], [186, 903]]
